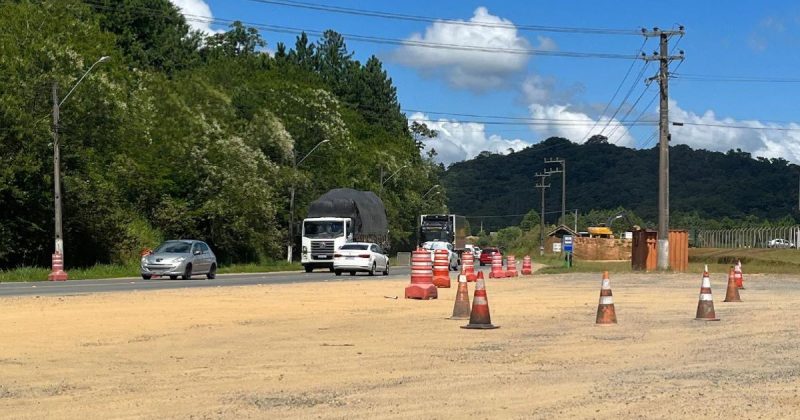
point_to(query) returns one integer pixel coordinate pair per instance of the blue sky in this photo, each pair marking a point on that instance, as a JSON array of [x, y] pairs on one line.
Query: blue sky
[[743, 38]]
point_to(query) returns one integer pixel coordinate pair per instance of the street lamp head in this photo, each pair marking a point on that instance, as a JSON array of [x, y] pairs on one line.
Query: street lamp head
[[103, 59]]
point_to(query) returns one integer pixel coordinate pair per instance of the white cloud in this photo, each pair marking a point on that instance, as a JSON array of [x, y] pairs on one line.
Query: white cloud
[[475, 70], [195, 8], [714, 133], [460, 141], [561, 121]]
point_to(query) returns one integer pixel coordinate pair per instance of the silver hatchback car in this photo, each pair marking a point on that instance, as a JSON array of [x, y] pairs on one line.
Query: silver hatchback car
[[180, 258]]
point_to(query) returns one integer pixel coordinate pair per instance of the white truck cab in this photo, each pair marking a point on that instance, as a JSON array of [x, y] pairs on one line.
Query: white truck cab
[[321, 236]]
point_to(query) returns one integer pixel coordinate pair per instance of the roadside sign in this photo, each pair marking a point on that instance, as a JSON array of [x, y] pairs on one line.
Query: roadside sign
[[567, 243], [556, 247]]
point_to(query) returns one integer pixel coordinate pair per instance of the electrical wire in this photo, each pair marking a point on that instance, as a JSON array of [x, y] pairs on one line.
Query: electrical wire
[[384, 40], [418, 18], [627, 95], [616, 92]]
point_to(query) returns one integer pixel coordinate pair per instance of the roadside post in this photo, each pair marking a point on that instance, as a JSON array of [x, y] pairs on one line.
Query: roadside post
[[567, 247]]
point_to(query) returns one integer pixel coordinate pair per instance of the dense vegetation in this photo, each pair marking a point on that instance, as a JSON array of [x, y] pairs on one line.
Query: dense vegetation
[[182, 135], [708, 189]]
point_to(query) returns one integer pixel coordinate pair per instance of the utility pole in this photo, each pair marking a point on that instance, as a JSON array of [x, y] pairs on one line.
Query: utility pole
[[664, 59], [58, 259], [563, 172], [541, 185]]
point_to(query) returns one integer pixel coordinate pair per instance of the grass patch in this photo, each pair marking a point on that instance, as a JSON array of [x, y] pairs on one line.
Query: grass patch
[[555, 265], [757, 260], [111, 271]]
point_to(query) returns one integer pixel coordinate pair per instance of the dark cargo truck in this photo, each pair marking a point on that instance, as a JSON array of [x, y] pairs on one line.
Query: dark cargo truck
[[339, 216], [444, 227]]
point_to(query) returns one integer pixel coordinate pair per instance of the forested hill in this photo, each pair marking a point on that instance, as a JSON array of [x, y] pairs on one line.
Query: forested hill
[[707, 189], [181, 134]]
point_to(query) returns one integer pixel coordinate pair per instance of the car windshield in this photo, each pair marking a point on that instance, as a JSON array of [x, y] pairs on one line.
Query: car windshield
[[322, 229], [354, 246], [434, 245], [174, 248]]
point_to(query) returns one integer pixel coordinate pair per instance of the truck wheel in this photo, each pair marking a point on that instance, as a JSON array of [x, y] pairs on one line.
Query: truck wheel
[[338, 272], [309, 268]]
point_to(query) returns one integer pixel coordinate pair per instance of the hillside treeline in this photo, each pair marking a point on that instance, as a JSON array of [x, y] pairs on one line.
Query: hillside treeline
[[708, 190], [184, 135]]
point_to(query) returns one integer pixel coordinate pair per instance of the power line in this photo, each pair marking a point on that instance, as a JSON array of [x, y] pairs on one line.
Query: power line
[[628, 112], [616, 92], [744, 127], [386, 41], [418, 18], [735, 79], [627, 95]]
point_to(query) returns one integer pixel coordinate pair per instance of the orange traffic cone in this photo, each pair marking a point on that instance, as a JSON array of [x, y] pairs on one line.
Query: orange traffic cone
[[497, 267], [461, 308], [738, 276], [511, 266], [527, 269], [705, 306], [732, 294], [606, 314], [421, 286], [441, 268], [479, 318]]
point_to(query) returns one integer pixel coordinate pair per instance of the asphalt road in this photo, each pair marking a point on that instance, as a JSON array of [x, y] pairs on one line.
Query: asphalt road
[[82, 287]]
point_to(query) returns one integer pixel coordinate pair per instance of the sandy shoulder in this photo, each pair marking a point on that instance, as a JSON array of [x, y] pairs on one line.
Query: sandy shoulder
[[343, 350]]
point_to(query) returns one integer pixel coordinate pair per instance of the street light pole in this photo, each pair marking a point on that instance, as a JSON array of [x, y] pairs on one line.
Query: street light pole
[[57, 272], [384, 181], [295, 164], [430, 190]]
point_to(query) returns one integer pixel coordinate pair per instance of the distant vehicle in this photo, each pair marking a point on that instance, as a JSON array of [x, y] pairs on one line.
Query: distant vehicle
[[780, 243], [454, 260], [476, 252], [486, 255], [360, 257], [337, 217], [444, 227], [180, 258], [603, 230]]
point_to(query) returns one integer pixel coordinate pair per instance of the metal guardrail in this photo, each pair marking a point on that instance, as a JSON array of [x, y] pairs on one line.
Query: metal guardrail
[[748, 237]]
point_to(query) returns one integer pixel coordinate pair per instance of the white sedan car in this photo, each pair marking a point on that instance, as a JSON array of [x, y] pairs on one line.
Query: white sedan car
[[453, 258], [360, 257]]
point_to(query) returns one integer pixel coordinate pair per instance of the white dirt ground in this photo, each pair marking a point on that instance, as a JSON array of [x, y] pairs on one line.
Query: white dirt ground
[[343, 350]]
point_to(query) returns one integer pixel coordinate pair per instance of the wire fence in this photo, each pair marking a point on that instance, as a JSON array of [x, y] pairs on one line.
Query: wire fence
[[761, 237]]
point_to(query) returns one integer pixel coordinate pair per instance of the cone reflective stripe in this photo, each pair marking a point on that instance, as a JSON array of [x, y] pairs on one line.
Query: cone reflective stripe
[[497, 267], [527, 270], [479, 318], [468, 266], [732, 294], [606, 314], [705, 305], [461, 309], [511, 266], [421, 286], [441, 268], [738, 277]]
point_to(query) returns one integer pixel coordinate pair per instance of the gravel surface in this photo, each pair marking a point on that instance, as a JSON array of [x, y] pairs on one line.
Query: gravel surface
[[344, 350]]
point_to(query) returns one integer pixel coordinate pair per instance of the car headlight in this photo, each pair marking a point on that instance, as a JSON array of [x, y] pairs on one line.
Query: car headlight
[[144, 260], [179, 260]]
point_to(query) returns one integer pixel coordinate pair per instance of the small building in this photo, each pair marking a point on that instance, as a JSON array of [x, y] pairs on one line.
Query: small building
[[553, 240]]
